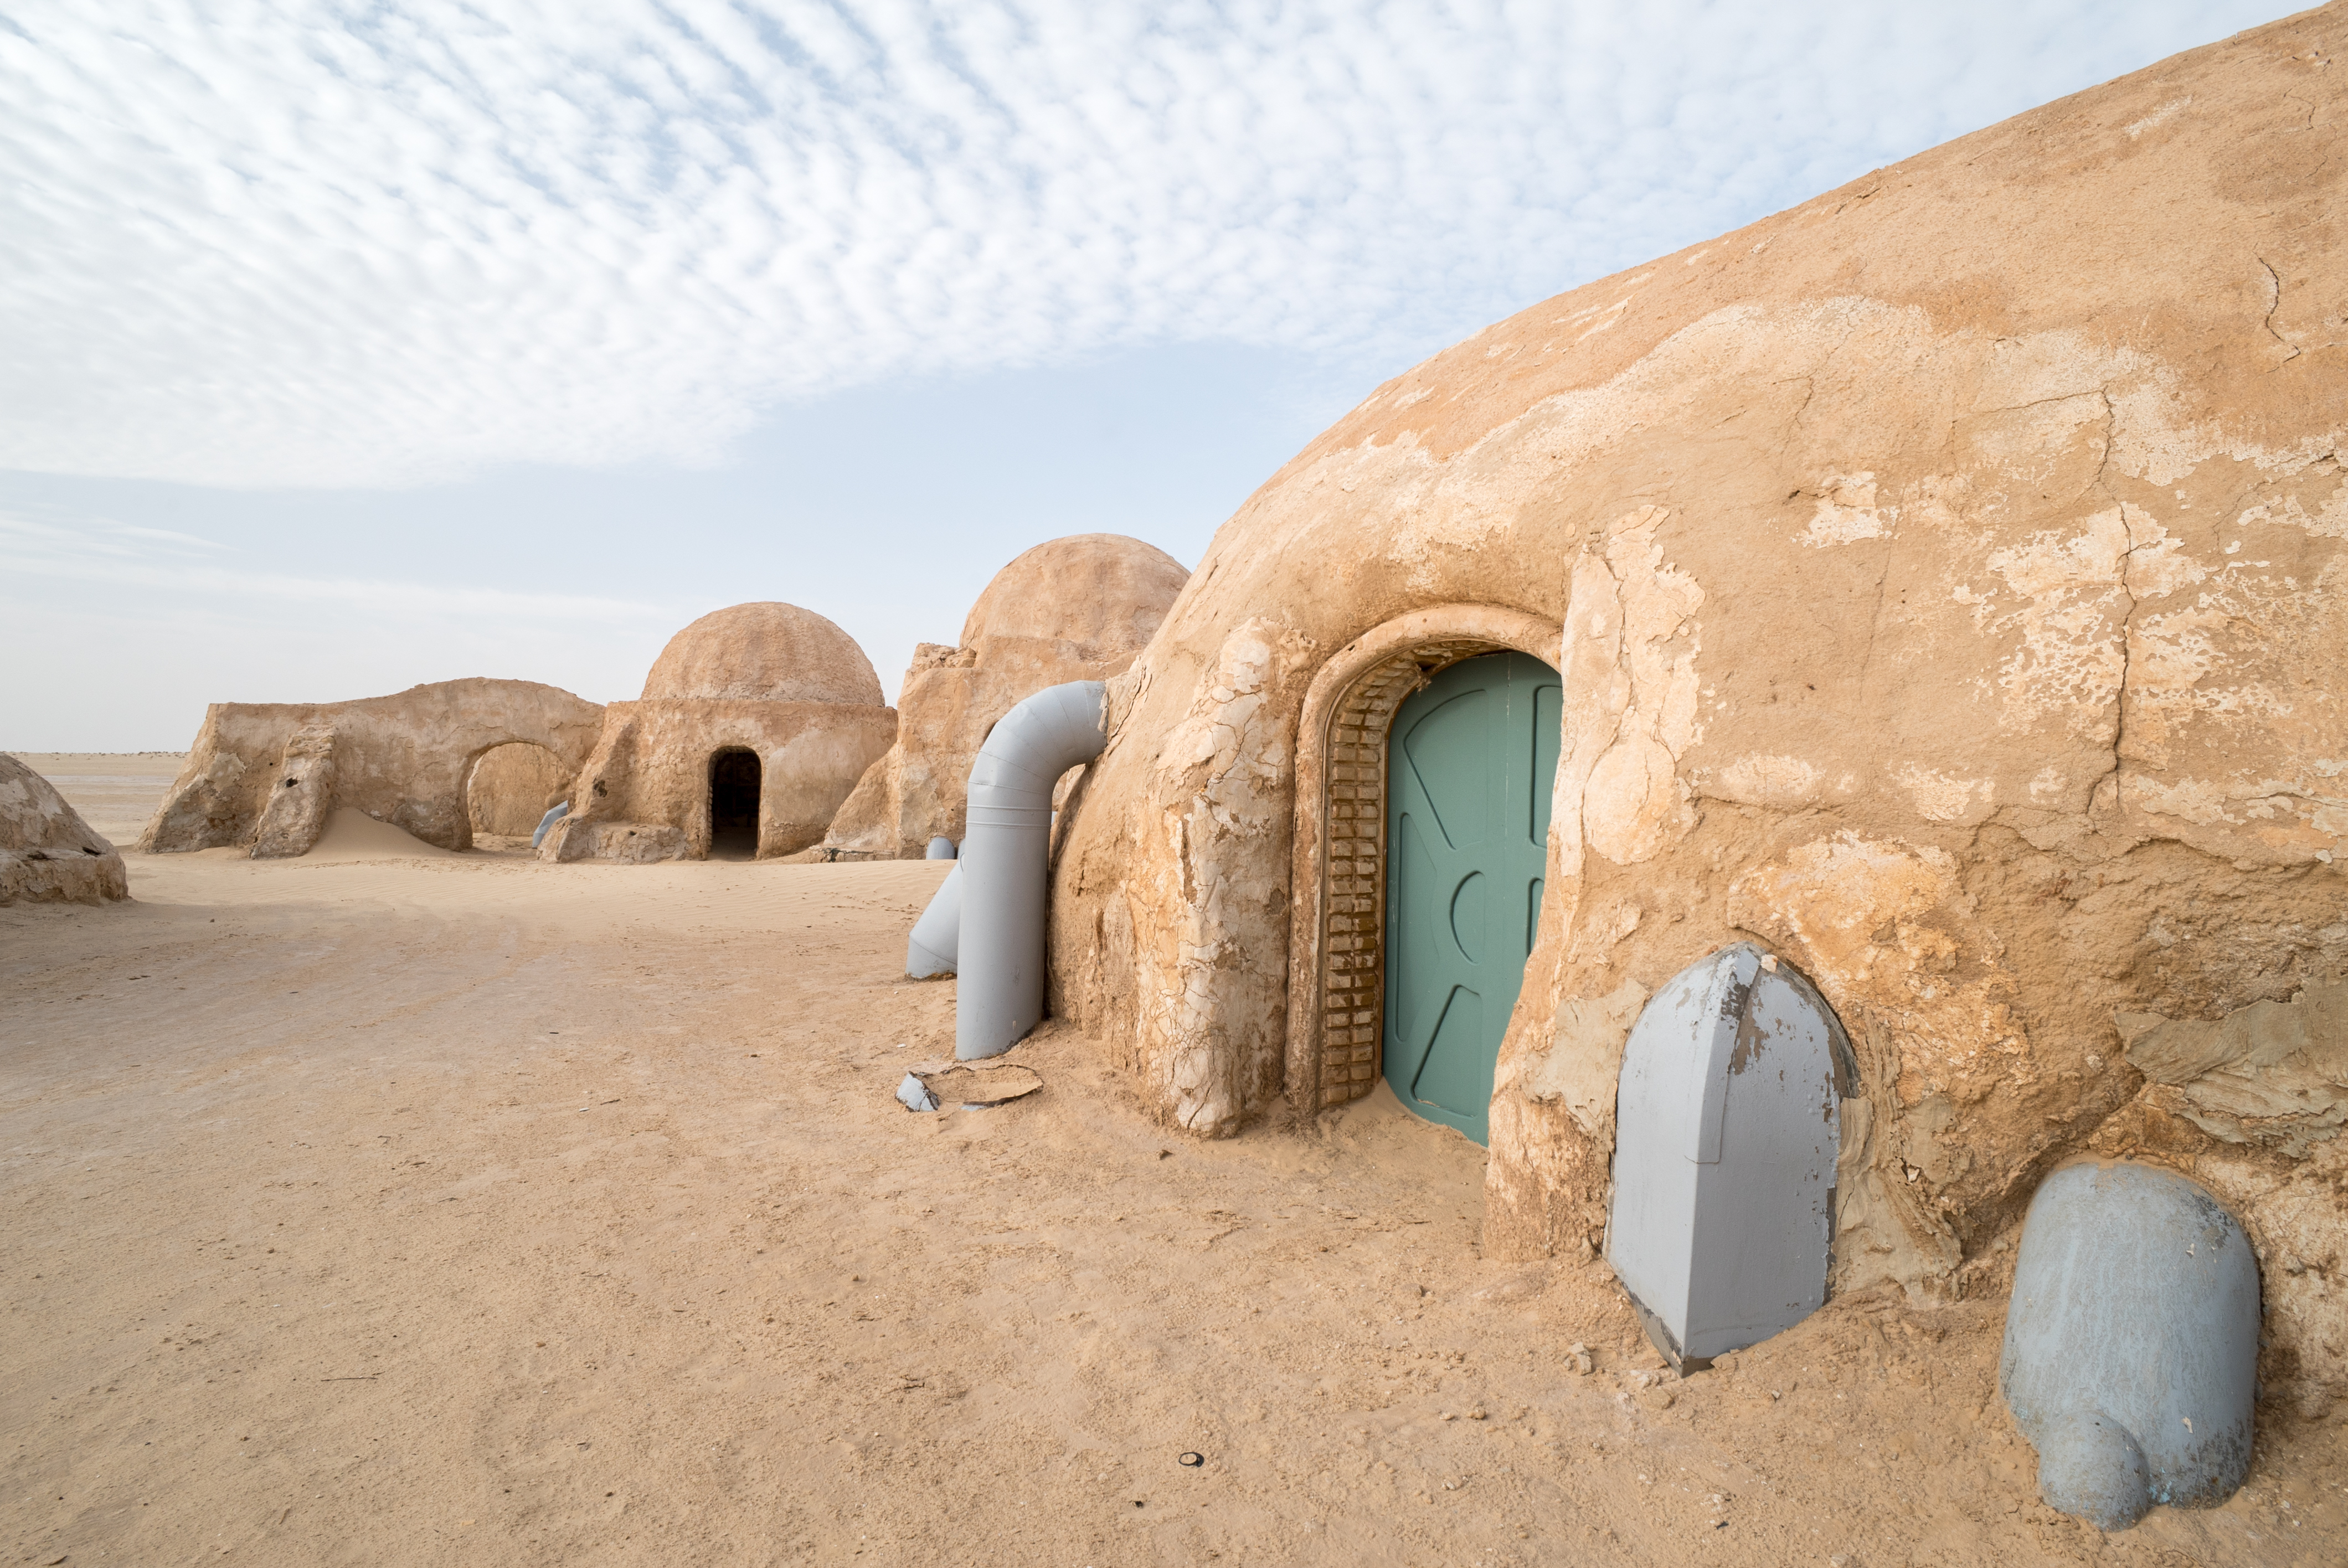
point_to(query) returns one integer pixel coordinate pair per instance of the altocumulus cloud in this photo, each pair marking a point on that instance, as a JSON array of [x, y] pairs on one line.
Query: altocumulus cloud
[[266, 242]]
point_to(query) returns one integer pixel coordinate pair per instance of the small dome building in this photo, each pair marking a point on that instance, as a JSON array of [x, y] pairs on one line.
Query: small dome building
[[1074, 608], [755, 723]]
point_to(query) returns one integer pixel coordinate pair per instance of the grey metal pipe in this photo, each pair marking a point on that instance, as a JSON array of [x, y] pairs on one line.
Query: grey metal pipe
[[1005, 856], [2132, 1343], [546, 824], [940, 849], [936, 940]]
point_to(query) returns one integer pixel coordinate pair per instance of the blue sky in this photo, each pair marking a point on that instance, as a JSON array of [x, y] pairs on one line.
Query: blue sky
[[356, 344]]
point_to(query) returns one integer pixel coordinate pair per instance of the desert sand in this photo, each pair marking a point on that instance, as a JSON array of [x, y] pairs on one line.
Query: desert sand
[[395, 1206]]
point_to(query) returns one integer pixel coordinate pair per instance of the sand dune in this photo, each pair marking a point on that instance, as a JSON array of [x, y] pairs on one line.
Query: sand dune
[[354, 835], [440, 1208]]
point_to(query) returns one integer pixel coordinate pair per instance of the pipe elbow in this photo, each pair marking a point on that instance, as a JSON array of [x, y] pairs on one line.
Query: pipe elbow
[[1026, 754]]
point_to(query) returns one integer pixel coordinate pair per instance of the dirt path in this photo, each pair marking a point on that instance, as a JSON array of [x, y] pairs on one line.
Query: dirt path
[[469, 1210]]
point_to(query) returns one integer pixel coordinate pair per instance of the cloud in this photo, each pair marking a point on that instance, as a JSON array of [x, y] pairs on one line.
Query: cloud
[[370, 242], [119, 557]]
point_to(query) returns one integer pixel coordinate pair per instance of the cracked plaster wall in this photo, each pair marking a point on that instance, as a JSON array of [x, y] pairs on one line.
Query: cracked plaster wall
[[1951, 571]]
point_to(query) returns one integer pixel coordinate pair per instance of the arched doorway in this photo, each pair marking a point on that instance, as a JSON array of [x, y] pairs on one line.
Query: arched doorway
[[508, 789], [735, 780], [1337, 987], [1471, 756]]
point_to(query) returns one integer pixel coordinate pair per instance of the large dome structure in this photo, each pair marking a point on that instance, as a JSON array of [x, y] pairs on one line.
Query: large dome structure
[[763, 653], [1942, 584]]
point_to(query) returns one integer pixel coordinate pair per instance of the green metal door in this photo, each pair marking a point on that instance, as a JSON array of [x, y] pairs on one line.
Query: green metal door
[[1468, 773]]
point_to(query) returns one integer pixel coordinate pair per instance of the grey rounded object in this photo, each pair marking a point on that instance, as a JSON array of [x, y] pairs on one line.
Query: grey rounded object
[[936, 945], [2135, 1316], [1005, 864], [940, 849], [2090, 1466]]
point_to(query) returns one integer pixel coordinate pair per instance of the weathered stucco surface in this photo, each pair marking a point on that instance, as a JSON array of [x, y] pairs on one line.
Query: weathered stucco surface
[[301, 797], [770, 677], [1952, 576], [402, 759], [47, 853], [764, 652], [1074, 608]]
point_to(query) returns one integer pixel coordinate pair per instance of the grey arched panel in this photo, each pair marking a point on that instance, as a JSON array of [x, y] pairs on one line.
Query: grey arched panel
[[1726, 1130]]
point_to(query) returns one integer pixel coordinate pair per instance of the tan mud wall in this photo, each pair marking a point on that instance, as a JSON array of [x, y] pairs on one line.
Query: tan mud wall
[[402, 759], [1951, 574]]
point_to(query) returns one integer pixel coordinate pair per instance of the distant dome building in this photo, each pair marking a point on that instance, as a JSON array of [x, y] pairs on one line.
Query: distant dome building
[[1074, 608], [755, 723]]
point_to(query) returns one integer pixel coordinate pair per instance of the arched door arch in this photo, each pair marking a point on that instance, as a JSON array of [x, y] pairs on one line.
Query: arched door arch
[[1337, 960]]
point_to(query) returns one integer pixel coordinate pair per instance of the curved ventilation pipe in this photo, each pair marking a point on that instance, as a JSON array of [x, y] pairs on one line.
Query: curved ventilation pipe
[[1005, 862], [546, 824], [940, 849], [930, 950], [2132, 1343]]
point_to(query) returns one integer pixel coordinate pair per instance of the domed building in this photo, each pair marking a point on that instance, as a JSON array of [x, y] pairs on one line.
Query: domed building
[[755, 723], [1938, 590], [1074, 608]]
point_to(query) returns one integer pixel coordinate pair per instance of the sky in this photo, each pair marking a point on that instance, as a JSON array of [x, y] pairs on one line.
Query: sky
[[346, 344]]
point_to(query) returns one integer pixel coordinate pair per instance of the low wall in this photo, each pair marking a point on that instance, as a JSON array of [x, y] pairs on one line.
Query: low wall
[[402, 759]]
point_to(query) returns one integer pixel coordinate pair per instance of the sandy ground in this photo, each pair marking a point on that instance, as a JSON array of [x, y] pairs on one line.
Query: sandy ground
[[460, 1209]]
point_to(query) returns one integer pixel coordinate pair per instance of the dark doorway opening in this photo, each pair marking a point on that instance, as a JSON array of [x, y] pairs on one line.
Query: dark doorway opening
[[734, 779]]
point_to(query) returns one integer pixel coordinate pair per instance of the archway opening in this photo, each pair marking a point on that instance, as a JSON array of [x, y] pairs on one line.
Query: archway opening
[[1470, 758], [1338, 986], [734, 779], [509, 788]]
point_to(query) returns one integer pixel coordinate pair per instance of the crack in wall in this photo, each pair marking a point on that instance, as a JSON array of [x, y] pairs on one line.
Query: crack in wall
[[2274, 303], [2127, 621]]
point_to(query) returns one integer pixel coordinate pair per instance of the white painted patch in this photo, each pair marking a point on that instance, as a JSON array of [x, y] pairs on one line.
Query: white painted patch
[[1845, 511], [1946, 798], [1786, 784], [2160, 117]]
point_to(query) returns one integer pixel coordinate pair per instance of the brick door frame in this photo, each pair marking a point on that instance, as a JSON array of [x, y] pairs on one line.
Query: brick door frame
[[1336, 944]]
